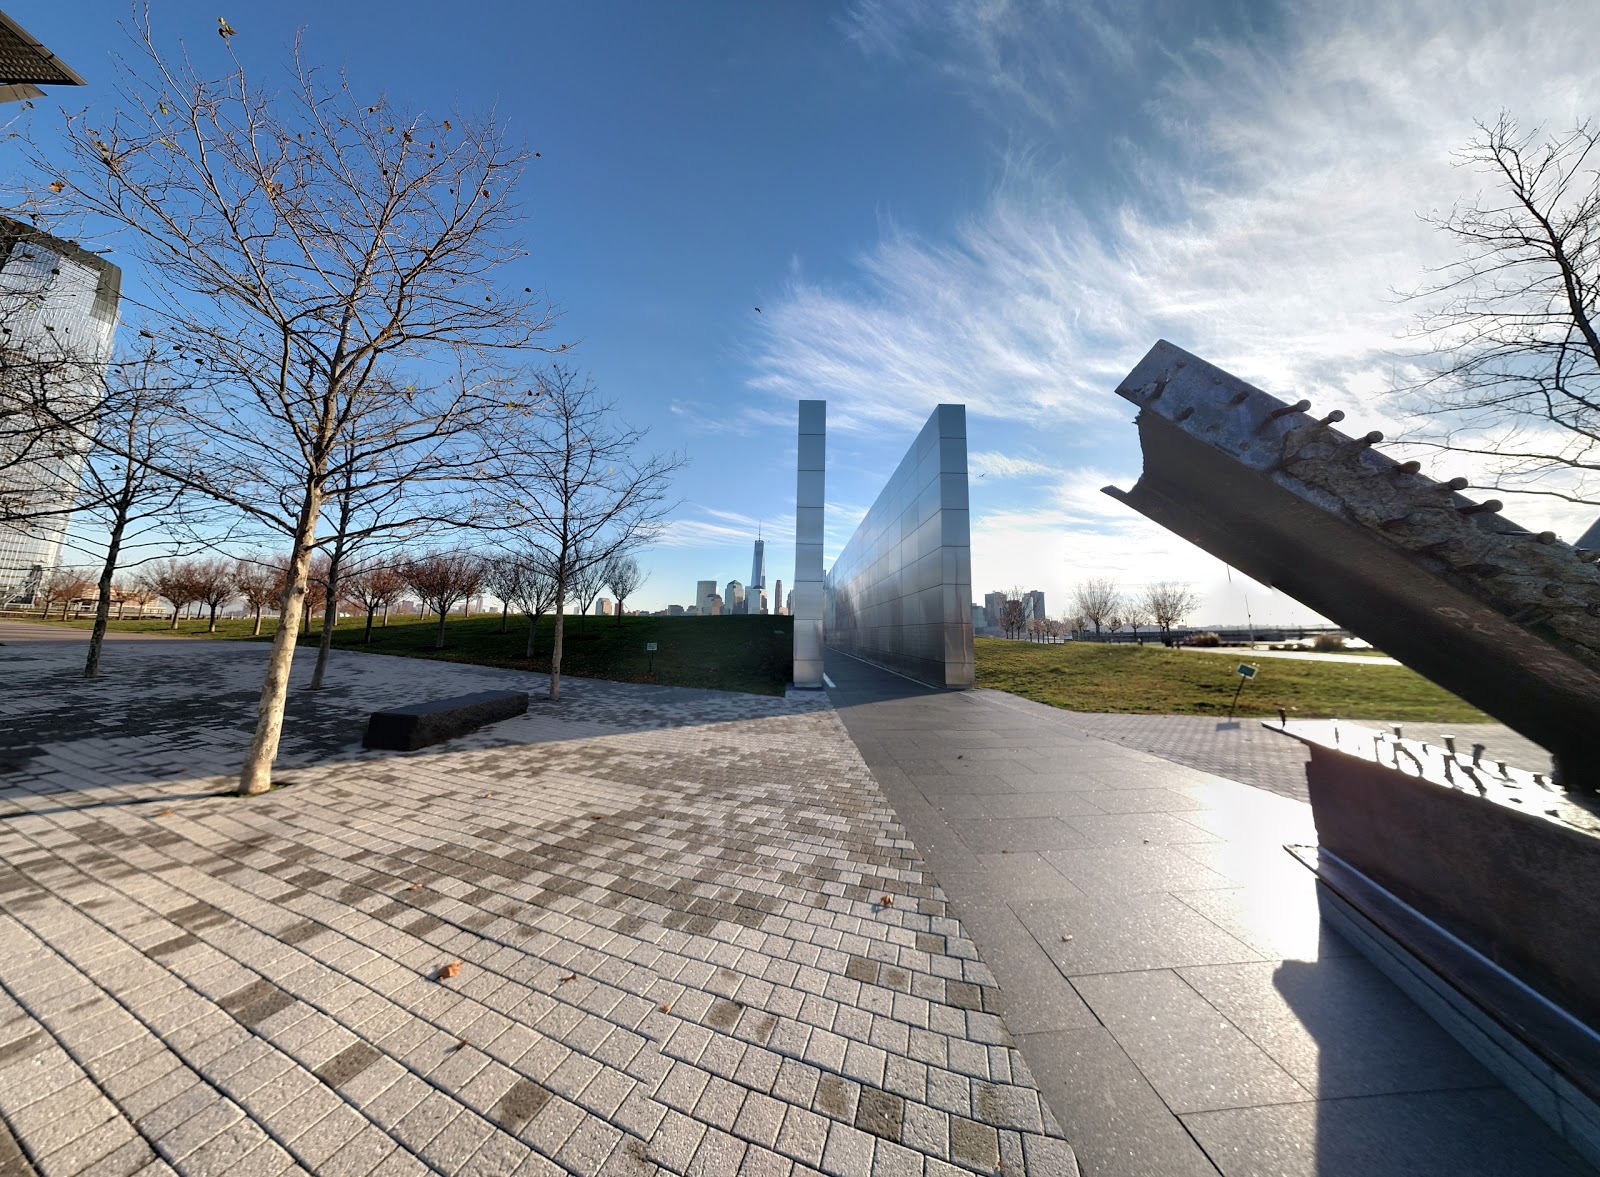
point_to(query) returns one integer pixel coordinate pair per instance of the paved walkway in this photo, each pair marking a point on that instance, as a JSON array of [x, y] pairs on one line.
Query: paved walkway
[[1162, 959], [644, 930], [1245, 654]]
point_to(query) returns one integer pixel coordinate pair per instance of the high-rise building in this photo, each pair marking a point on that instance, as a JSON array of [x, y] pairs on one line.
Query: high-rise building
[[716, 605], [777, 597], [758, 566], [763, 602], [58, 309], [994, 608], [602, 607], [733, 598], [704, 592], [1033, 606]]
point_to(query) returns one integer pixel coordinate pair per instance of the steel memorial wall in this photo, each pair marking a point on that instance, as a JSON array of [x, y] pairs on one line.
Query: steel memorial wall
[[900, 593]]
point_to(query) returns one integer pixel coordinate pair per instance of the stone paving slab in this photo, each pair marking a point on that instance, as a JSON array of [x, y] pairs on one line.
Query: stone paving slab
[[1255, 756], [1165, 963], [645, 930]]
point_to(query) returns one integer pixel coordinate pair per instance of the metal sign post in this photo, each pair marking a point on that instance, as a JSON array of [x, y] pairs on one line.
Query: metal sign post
[[650, 648], [1246, 672]]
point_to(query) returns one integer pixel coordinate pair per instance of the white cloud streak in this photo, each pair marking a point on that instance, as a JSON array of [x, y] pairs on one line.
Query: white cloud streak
[[1267, 223], [1288, 188]]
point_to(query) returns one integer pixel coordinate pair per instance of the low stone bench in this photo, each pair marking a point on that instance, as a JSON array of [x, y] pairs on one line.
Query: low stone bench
[[405, 729]]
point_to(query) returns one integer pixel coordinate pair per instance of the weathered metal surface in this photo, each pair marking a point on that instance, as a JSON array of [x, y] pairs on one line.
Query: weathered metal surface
[[1504, 617], [1523, 891]]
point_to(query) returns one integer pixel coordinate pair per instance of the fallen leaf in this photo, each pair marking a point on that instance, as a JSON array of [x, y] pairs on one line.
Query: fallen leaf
[[667, 1009], [886, 901], [597, 817], [165, 813], [453, 969], [568, 977], [1066, 938], [414, 887], [488, 794]]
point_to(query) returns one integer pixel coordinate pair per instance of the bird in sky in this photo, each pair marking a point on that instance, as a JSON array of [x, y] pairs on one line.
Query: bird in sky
[[224, 29], [758, 310]]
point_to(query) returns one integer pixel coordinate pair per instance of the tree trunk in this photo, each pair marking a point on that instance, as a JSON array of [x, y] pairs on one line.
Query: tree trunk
[[555, 645], [619, 610], [255, 633], [102, 608], [257, 775], [370, 611], [505, 617], [533, 628], [438, 643], [330, 614], [386, 613], [175, 613], [213, 628]]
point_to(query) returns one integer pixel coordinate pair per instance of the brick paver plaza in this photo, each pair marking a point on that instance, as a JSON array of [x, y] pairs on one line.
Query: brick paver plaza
[[652, 930], [692, 937]]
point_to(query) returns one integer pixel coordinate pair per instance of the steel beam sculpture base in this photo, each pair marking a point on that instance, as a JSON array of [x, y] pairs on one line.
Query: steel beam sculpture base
[[1505, 618]]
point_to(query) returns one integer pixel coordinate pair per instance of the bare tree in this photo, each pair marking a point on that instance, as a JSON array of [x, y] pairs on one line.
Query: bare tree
[[502, 577], [301, 244], [375, 587], [214, 585], [140, 422], [173, 581], [442, 580], [1136, 612], [126, 590], [575, 484], [535, 589], [257, 581], [624, 577], [1514, 324], [1097, 599], [1012, 616], [63, 585], [1168, 602], [587, 578]]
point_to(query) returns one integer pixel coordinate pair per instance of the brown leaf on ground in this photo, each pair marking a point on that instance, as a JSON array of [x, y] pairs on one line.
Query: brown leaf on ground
[[568, 977], [488, 794], [667, 1009], [414, 887], [886, 901], [453, 969], [597, 817], [166, 813]]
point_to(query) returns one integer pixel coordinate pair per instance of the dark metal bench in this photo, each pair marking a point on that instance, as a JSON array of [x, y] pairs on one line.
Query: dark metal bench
[[405, 729]]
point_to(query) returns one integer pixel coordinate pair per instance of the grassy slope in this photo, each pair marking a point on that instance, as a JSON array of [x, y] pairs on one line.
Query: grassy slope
[[1156, 681], [723, 653]]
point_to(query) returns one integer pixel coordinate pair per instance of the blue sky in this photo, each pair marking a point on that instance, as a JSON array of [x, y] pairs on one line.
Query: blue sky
[[1001, 204]]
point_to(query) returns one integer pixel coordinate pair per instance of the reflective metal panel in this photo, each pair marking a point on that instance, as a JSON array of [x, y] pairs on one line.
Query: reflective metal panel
[[809, 494], [900, 594]]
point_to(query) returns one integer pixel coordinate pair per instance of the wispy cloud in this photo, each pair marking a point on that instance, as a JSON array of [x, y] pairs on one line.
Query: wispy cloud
[[1284, 214], [992, 463]]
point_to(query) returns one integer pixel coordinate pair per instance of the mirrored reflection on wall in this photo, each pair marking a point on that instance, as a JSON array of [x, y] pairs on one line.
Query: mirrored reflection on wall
[[900, 593]]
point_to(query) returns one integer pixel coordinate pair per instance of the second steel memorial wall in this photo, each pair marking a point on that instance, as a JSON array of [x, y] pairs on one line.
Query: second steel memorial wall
[[900, 593]]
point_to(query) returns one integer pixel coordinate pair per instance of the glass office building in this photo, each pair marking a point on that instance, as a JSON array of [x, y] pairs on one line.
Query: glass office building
[[58, 320]]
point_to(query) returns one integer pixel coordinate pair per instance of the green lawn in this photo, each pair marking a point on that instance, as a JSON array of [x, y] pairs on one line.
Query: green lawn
[[1153, 680], [752, 654]]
